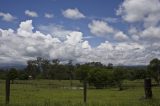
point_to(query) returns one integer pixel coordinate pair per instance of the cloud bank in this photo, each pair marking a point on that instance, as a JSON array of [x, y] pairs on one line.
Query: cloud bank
[[23, 44]]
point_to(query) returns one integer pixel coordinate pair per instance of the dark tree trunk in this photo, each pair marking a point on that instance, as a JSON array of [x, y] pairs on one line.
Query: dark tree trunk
[[148, 88], [120, 87], [12, 81]]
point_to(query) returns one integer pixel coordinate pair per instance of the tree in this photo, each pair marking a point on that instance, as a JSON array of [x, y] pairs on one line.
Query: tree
[[45, 68], [32, 68], [154, 69], [100, 78], [110, 66], [95, 73], [95, 64], [12, 74], [134, 74], [118, 77], [2, 74], [55, 61], [82, 72], [57, 70], [70, 71], [23, 75]]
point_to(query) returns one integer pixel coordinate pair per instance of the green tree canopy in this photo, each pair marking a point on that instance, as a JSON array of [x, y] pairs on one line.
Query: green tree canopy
[[154, 69], [12, 74]]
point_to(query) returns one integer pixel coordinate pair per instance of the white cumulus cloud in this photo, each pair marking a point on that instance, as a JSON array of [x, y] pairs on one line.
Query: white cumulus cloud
[[54, 30], [151, 32], [48, 15], [7, 17], [73, 13], [100, 28], [74, 37], [120, 36], [147, 11], [31, 13]]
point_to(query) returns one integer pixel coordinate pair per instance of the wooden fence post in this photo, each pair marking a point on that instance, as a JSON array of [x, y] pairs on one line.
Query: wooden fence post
[[7, 90], [85, 91], [148, 88]]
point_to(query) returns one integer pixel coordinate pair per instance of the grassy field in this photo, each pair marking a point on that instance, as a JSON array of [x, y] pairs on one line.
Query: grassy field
[[59, 93]]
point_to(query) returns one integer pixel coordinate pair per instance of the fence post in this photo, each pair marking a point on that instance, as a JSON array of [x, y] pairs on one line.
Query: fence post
[[85, 91], [7, 90], [148, 88]]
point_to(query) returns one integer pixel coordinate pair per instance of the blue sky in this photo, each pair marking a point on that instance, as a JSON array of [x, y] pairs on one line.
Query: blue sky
[[102, 29], [92, 9]]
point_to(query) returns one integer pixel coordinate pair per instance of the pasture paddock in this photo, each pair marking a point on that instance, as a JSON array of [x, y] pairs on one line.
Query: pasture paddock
[[60, 93]]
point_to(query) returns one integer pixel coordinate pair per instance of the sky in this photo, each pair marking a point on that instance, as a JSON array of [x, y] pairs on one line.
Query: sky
[[122, 32]]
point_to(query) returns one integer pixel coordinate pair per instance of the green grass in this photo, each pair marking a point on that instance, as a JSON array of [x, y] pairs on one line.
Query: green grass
[[59, 93]]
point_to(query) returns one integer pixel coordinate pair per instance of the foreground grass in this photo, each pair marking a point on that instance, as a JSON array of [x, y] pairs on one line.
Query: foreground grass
[[58, 93]]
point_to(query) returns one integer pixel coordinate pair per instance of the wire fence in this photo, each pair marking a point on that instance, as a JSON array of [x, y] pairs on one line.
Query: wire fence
[[50, 91]]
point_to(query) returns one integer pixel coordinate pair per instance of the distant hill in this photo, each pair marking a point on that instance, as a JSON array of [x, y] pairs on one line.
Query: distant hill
[[137, 66], [7, 66], [20, 66]]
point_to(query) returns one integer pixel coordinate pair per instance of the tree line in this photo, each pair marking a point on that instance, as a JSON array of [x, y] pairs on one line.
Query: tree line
[[95, 73]]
